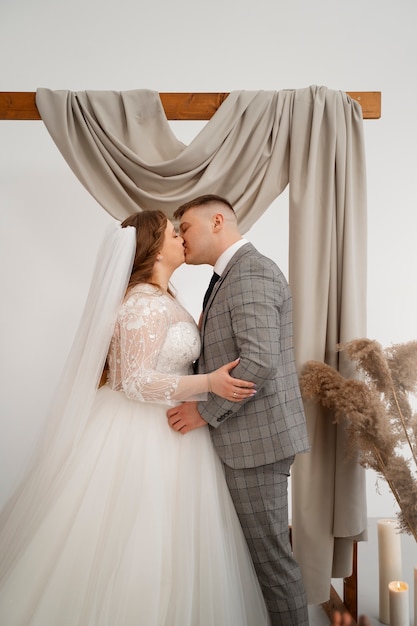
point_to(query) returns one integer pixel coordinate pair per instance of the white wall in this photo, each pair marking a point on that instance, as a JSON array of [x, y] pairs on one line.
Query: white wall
[[50, 227]]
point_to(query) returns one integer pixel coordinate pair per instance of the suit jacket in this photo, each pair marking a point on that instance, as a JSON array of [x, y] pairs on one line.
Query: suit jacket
[[249, 315]]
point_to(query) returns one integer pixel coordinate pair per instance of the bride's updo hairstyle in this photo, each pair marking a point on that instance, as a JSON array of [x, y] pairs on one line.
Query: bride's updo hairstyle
[[150, 232]]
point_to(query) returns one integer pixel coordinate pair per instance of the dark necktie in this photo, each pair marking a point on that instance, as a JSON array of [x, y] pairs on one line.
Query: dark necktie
[[213, 281]]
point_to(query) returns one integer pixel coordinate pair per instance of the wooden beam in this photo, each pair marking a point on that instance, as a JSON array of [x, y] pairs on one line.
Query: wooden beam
[[191, 106], [21, 105], [370, 102]]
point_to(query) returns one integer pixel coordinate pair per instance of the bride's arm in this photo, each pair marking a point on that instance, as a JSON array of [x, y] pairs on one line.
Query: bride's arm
[[143, 326]]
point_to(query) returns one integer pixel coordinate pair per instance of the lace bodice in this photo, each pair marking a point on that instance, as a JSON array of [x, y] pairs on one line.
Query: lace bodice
[[154, 344]]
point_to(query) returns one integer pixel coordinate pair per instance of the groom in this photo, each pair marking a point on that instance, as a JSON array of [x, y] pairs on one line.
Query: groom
[[248, 314]]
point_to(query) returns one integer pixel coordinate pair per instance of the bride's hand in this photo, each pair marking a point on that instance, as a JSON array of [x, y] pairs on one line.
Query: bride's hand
[[227, 387]]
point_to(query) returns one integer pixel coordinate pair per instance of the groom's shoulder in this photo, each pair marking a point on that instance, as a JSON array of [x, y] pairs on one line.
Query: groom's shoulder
[[251, 256]]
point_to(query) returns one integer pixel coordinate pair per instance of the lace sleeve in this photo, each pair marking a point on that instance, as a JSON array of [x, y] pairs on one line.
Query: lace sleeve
[[143, 324]]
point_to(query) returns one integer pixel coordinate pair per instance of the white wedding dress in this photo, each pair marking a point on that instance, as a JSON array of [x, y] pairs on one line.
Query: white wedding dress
[[142, 530]]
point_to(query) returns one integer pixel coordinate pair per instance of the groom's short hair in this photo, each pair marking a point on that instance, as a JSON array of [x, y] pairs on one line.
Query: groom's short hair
[[206, 200]]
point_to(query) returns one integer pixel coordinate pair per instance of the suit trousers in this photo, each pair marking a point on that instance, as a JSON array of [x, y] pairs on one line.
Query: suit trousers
[[260, 496]]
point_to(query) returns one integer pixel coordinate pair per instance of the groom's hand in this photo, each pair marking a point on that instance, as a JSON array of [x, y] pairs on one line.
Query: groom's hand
[[185, 417]]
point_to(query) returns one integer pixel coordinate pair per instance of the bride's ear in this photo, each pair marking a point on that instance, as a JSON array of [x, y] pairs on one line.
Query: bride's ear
[[159, 257]]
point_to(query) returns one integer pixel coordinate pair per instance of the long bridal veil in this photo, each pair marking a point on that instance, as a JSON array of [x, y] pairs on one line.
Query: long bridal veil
[[73, 399]]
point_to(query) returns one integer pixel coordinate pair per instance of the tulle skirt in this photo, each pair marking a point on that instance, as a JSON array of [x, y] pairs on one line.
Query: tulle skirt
[[142, 533]]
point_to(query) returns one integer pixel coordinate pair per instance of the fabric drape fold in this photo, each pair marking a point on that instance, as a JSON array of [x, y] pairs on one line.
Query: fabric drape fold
[[121, 147], [327, 267]]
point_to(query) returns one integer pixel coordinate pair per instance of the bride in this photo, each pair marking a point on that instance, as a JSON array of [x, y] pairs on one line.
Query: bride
[[121, 521]]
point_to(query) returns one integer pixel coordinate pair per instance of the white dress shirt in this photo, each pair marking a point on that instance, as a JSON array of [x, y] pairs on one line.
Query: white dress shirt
[[225, 257]]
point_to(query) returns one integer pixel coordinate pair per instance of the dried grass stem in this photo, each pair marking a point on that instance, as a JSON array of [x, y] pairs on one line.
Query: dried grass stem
[[376, 408]]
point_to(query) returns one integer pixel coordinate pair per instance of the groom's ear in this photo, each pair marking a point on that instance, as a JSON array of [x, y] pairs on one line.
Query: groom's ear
[[218, 220]]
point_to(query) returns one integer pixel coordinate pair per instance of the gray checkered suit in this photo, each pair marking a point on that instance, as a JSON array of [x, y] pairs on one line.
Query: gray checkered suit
[[249, 315]]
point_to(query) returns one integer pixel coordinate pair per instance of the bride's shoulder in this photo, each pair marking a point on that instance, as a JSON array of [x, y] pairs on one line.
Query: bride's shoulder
[[143, 291], [144, 297]]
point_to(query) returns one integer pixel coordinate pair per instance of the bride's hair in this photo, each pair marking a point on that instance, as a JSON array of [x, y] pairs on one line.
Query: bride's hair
[[150, 232]]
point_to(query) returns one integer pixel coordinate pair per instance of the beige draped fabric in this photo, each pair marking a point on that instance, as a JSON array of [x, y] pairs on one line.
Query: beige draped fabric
[[328, 277], [121, 147]]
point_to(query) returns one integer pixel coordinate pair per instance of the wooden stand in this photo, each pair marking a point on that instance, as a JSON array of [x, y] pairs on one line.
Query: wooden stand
[[202, 106], [349, 604]]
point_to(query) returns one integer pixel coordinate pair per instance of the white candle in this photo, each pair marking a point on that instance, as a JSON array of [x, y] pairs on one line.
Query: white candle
[[389, 558], [398, 604]]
